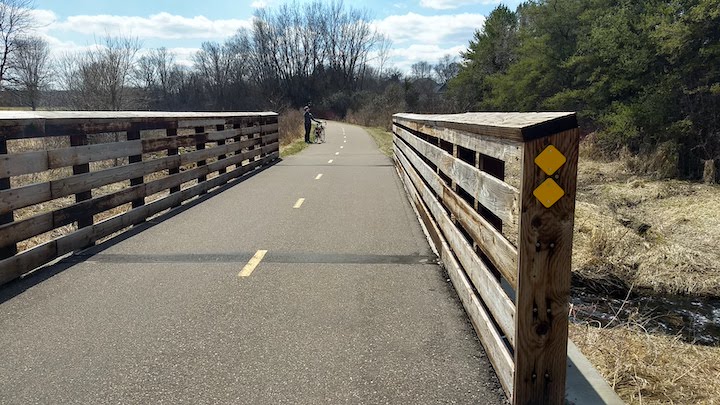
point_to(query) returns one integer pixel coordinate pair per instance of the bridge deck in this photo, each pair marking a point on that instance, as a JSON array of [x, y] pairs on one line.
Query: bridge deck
[[347, 306]]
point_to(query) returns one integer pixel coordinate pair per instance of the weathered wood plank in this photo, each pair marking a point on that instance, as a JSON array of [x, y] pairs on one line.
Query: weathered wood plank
[[489, 337], [15, 266], [501, 307], [78, 155], [17, 231], [137, 158], [222, 134], [25, 262], [23, 163], [172, 152], [257, 129], [498, 248], [7, 215], [25, 196], [31, 124], [78, 171], [14, 198], [545, 251], [508, 151], [89, 181], [502, 149], [514, 126], [220, 143], [495, 195]]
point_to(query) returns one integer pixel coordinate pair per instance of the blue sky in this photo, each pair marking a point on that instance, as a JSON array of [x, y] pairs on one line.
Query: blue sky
[[420, 29]]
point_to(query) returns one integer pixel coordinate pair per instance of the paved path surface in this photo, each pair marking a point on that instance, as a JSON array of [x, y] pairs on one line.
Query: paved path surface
[[347, 305]]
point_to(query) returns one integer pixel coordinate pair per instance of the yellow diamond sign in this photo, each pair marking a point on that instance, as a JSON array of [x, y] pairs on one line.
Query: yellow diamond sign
[[549, 193], [550, 160]]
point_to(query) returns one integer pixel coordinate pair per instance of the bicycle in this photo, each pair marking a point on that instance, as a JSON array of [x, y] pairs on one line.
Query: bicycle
[[320, 133]]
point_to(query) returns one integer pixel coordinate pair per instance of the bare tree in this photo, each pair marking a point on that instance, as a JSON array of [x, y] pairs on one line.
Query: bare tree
[[159, 75], [421, 70], [446, 68], [301, 49], [384, 45], [15, 22], [31, 69], [100, 78]]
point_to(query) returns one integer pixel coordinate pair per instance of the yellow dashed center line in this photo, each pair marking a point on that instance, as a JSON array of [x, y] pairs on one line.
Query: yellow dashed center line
[[318, 176], [330, 161], [299, 203], [337, 153], [252, 264]]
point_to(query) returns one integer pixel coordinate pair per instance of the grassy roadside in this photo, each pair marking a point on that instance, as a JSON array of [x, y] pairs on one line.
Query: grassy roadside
[[382, 138], [651, 369]]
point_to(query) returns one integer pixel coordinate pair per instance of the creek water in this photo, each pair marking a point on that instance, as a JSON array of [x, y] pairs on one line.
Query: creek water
[[695, 320]]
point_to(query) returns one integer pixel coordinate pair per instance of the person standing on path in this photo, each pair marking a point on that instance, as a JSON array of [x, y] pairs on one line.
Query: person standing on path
[[308, 123]]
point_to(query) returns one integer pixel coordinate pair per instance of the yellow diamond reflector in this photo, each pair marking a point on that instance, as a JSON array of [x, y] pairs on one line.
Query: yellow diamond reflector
[[550, 160], [549, 193]]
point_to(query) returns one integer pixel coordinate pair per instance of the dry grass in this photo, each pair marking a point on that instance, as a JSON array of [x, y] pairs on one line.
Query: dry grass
[[383, 139], [660, 236], [648, 369], [656, 234]]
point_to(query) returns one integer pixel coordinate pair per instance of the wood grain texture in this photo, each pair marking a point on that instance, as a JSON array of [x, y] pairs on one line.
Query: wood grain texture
[[498, 248], [489, 337], [520, 127], [21, 230], [497, 196], [6, 215], [502, 149], [30, 124], [21, 197], [22, 263], [501, 307], [79, 170], [544, 264]]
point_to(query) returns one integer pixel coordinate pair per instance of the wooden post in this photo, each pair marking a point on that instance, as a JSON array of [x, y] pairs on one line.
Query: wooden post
[[238, 138], [10, 250], [545, 250], [82, 140], [221, 143], [201, 146], [133, 136], [173, 152]]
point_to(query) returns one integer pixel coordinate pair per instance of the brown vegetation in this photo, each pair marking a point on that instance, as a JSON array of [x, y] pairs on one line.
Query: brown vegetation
[[648, 369], [641, 230]]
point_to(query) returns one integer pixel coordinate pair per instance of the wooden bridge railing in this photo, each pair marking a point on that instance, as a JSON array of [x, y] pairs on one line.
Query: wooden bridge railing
[[496, 192], [69, 179]]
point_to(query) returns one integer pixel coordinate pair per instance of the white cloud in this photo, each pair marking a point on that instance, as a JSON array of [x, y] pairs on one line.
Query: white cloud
[[158, 26], [452, 4], [258, 4], [414, 28]]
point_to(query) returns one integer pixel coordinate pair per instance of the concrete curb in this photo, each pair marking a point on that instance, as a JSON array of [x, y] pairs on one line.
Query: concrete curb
[[584, 383]]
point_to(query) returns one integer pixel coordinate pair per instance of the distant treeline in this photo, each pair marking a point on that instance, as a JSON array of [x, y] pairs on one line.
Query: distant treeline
[[643, 74]]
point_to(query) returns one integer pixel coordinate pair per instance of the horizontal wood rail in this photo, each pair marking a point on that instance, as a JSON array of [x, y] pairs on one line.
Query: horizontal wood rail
[[485, 185], [121, 168]]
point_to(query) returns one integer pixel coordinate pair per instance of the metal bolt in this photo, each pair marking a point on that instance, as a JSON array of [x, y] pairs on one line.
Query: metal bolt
[[552, 246]]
